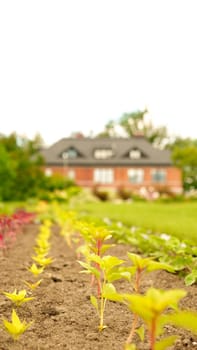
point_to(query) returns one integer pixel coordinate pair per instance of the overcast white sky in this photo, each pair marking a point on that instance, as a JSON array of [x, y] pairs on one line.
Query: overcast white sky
[[73, 65]]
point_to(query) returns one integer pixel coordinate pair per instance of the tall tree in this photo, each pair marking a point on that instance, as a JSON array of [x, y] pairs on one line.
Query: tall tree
[[135, 123]]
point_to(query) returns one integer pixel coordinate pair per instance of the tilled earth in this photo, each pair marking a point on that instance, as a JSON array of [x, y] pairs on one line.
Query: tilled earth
[[62, 313]]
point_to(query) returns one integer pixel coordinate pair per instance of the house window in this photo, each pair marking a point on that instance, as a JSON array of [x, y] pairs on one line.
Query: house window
[[103, 176], [136, 176], [71, 174], [48, 172], [70, 153], [158, 175], [103, 153], [135, 154]]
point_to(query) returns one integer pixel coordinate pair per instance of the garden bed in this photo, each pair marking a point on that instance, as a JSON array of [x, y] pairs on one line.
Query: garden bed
[[62, 313]]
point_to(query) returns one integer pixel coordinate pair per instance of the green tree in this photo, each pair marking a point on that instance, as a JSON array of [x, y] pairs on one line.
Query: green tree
[[135, 123], [20, 167], [184, 155], [7, 173]]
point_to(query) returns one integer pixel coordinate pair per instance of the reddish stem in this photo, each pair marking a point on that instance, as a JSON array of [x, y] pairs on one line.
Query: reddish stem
[[133, 328], [137, 280], [153, 333]]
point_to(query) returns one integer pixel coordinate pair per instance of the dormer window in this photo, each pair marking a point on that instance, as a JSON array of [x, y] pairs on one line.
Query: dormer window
[[103, 153], [135, 154], [71, 153]]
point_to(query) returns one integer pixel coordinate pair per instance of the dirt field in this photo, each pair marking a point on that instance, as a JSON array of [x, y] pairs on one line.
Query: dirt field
[[63, 315]]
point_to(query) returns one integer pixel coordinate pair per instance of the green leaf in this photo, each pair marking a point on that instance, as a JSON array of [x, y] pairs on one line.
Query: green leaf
[[113, 276], [191, 278], [165, 343], [184, 319], [16, 327], [154, 265], [105, 247], [89, 269], [154, 302], [141, 332], [130, 347], [94, 302], [109, 292], [108, 262]]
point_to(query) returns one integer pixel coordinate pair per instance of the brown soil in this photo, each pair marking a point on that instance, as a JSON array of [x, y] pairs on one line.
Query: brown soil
[[63, 315]]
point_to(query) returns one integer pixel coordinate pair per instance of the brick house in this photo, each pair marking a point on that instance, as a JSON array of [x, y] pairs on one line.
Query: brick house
[[131, 163]]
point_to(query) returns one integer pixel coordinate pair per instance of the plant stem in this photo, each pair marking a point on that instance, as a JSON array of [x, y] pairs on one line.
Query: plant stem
[[137, 280], [133, 328], [101, 314], [153, 333], [99, 244], [135, 320]]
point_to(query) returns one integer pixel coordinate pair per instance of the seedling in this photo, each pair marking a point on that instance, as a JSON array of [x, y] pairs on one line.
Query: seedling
[[151, 307], [18, 298], [140, 267], [42, 261], [108, 272], [33, 286], [16, 327], [94, 237], [35, 269]]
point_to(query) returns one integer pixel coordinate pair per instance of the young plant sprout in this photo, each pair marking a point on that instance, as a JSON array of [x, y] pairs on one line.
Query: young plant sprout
[[15, 328], [33, 286], [140, 267], [94, 237], [35, 270], [150, 308], [42, 261], [18, 298], [108, 272]]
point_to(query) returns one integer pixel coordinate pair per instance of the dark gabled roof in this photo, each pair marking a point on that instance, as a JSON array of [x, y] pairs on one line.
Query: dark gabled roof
[[121, 147]]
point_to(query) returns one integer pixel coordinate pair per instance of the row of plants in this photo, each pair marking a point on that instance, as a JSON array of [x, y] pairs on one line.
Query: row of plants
[[151, 311], [40, 260], [180, 254], [165, 248]]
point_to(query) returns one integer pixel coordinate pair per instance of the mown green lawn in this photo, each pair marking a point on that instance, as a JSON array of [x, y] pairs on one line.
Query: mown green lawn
[[179, 219]]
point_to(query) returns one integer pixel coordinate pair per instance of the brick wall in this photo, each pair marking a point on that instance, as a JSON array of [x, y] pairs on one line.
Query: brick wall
[[83, 176]]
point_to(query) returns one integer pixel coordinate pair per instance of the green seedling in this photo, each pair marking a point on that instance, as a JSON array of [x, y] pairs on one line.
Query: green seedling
[[94, 237], [108, 272], [33, 286], [42, 261], [41, 251], [16, 328], [67, 221], [18, 298], [151, 307], [35, 270], [140, 267]]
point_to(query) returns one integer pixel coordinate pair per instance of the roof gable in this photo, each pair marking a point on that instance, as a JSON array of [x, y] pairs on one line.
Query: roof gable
[[70, 152], [113, 152]]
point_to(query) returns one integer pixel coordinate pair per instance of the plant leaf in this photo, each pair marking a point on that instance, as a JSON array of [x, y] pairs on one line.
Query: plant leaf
[[109, 292], [191, 278], [94, 302], [164, 344], [141, 331], [183, 319]]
